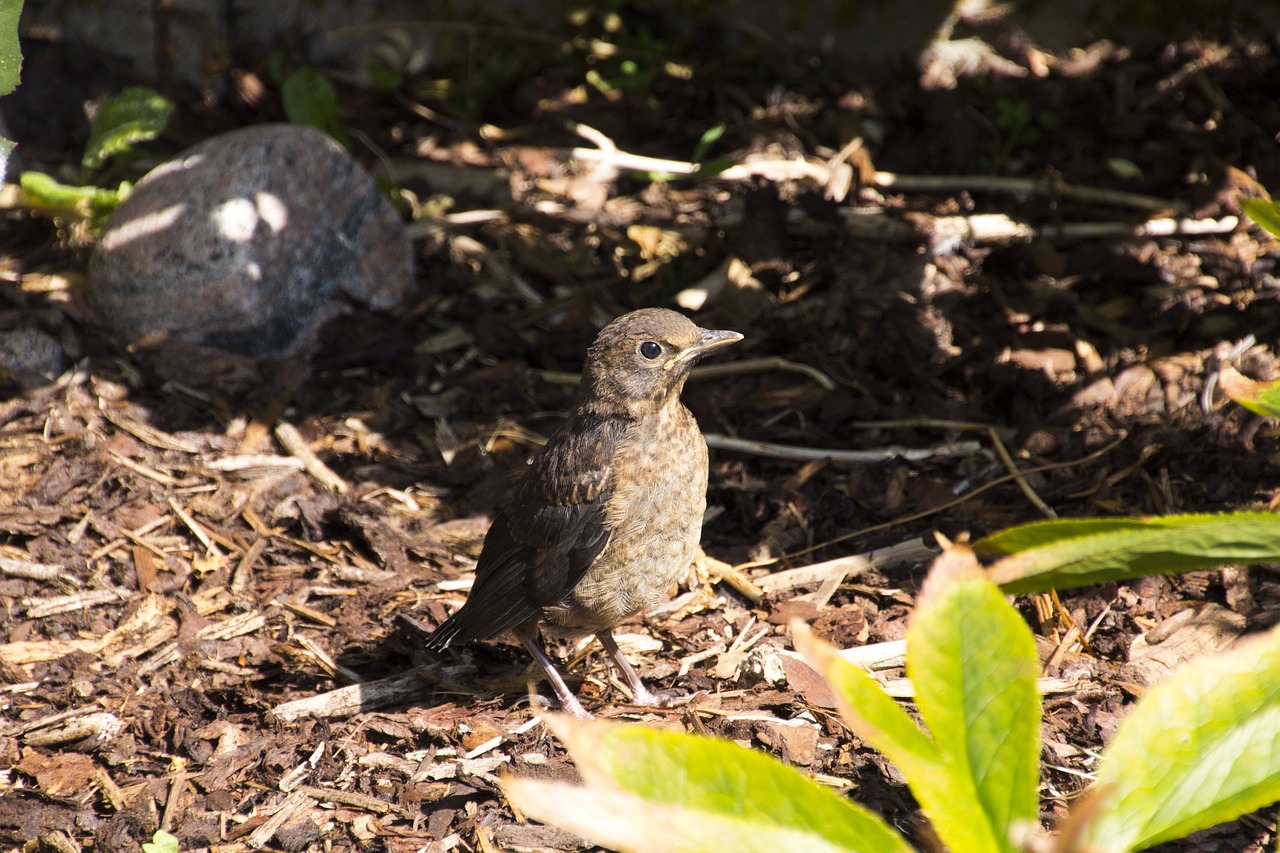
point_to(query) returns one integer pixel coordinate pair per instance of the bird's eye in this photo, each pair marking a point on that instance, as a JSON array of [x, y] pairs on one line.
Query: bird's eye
[[650, 350]]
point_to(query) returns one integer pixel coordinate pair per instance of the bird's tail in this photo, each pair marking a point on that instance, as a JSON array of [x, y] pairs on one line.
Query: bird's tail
[[445, 634]]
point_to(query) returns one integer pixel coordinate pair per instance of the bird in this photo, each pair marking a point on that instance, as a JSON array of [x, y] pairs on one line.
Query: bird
[[607, 516]]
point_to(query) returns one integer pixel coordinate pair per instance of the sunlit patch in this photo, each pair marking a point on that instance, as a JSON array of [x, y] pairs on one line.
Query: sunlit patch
[[272, 210], [236, 219], [141, 226]]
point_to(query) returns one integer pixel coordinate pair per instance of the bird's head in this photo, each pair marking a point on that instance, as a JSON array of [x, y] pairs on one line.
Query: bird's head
[[646, 355]]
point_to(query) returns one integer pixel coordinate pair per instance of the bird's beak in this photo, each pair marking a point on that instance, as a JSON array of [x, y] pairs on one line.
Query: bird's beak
[[709, 339]]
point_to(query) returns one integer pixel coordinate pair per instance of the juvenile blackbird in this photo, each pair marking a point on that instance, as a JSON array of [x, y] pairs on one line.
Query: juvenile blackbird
[[608, 515]]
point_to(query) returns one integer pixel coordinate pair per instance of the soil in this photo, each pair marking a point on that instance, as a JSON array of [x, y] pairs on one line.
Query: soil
[[174, 581]]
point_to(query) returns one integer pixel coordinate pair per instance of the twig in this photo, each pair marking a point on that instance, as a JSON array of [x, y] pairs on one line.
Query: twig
[[786, 451], [1048, 186], [760, 365], [38, 608], [145, 470], [291, 440], [1003, 453], [31, 571], [967, 496], [194, 526], [146, 432], [716, 371]]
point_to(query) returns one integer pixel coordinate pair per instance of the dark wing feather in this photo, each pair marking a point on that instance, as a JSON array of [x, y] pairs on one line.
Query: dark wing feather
[[542, 544]]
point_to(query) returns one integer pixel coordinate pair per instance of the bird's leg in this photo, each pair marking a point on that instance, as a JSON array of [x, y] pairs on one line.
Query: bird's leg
[[640, 694], [568, 702]]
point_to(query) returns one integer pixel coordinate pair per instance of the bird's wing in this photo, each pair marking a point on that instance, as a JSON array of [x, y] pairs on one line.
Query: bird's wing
[[544, 541]]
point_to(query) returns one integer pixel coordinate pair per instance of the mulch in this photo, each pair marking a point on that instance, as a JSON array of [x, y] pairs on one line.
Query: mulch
[[208, 627]]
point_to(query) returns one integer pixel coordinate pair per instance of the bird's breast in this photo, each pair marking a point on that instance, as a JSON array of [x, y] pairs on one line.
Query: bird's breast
[[654, 519]]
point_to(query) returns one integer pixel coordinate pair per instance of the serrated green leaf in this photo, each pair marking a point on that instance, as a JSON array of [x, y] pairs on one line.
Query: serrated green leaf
[[1201, 748], [10, 50], [1264, 212], [137, 114], [973, 662], [651, 790], [1067, 553]]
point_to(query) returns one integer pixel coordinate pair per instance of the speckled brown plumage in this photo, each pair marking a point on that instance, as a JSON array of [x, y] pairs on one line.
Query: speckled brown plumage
[[608, 515]]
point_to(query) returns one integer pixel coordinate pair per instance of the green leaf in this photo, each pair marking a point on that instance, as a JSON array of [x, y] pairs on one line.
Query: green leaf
[[1261, 398], [1264, 212], [1076, 552], [137, 114], [650, 790], [973, 661], [6, 149], [10, 50], [161, 842], [709, 138], [869, 711], [309, 98], [42, 191], [1201, 748]]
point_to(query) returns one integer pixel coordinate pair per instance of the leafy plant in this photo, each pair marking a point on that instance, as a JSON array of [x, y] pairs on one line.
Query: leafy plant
[[10, 64], [1198, 749], [309, 98], [161, 842], [1264, 212], [1261, 398], [138, 114]]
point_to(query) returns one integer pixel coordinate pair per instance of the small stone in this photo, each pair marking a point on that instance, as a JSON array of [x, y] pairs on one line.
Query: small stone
[[247, 242], [31, 355]]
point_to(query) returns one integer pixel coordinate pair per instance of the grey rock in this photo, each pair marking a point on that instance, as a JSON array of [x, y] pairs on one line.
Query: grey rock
[[30, 355], [247, 242]]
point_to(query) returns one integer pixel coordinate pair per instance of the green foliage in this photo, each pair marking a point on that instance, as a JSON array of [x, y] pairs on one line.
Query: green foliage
[[137, 114], [309, 98], [649, 790], [10, 51], [10, 65], [1074, 552], [973, 660], [1264, 212], [161, 842], [1261, 398], [1021, 126], [42, 192], [1199, 749]]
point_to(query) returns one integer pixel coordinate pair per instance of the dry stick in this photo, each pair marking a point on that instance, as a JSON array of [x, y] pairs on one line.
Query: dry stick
[[1002, 230], [786, 451], [715, 371], [194, 527], [1003, 453], [146, 432], [607, 152], [758, 365], [289, 437], [1021, 186], [144, 470], [1053, 466]]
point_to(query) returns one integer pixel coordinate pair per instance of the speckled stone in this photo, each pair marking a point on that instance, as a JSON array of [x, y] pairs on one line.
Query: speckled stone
[[248, 242], [30, 356]]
